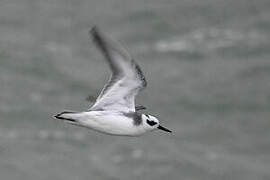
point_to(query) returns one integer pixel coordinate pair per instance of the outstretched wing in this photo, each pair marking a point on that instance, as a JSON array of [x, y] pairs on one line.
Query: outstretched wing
[[126, 80]]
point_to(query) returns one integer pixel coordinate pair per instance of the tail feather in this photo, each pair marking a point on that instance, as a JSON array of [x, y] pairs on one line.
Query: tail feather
[[66, 115]]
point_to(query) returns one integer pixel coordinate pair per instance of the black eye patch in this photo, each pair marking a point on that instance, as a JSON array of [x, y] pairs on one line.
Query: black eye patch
[[151, 123]]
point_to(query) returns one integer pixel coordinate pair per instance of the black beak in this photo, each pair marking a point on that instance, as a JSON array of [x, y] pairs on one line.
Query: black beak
[[164, 129]]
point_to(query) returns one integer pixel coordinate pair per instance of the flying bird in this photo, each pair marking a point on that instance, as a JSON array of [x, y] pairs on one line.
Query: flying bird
[[114, 111]]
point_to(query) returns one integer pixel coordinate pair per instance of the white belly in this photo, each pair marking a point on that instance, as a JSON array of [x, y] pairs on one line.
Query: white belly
[[113, 123]]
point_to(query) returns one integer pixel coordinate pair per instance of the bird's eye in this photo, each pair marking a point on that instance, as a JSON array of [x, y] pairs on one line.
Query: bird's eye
[[151, 123]]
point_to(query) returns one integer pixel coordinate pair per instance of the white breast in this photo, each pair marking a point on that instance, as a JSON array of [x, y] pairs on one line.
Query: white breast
[[110, 122]]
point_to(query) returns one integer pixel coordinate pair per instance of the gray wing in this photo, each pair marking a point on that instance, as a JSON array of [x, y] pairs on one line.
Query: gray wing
[[126, 79]]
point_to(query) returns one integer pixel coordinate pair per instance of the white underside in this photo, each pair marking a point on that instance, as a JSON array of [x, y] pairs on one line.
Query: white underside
[[108, 122]]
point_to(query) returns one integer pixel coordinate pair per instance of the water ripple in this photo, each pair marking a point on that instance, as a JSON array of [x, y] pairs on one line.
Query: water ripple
[[212, 40], [15, 134]]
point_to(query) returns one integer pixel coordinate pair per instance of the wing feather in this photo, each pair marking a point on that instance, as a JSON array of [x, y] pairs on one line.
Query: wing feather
[[126, 80]]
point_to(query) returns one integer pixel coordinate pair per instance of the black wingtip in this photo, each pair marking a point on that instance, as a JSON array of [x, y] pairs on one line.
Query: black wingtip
[[94, 32], [97, 37]]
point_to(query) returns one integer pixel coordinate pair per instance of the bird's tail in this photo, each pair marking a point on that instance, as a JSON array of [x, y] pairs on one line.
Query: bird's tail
[[71, 117]]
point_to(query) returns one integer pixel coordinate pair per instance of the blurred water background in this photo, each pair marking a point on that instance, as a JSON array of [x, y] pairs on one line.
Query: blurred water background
[[208, 68]]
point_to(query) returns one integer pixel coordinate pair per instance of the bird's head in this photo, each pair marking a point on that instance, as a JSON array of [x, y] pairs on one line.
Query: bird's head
[[152, 123]]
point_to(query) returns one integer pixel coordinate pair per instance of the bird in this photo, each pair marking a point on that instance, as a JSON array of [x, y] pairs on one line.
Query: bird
[[114, 111]]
